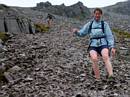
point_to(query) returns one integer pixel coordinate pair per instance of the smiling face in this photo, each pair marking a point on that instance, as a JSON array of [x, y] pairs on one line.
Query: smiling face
[[97, 15]]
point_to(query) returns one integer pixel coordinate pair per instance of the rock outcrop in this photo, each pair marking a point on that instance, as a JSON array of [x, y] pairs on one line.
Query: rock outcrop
[[11, 21]]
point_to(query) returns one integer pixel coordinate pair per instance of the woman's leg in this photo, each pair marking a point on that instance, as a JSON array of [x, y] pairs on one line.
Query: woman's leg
[[106, 59], [94, 58]]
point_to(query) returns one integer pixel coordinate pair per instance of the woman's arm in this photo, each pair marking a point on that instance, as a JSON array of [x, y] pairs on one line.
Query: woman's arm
[[82, 32], [109, 36], [110, 39]]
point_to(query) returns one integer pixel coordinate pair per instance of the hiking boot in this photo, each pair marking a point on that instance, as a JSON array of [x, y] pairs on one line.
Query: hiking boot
[[112, 80]]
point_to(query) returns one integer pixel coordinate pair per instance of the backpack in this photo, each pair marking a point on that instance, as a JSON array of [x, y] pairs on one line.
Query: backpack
[[102, 23], [90, 28]]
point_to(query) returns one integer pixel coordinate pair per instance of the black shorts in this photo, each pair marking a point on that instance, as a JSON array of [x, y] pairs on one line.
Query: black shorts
[[98, 49]]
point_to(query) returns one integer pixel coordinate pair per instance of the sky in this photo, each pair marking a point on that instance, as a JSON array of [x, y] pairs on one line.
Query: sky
[[88, 3]]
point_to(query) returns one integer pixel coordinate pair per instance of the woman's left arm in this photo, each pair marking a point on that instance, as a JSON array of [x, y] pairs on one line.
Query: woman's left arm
[[110, 39], [109, 36]]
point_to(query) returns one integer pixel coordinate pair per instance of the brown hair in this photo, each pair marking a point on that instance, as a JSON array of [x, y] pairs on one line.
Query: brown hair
[[98, 9]]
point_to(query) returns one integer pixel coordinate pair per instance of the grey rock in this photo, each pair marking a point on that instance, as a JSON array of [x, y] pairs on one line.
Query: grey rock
[[8, 77], [123, 48], [124, 51], [127, 39], [2, 56], [14, 69], [1, 48], [28, 79], [1, 41], [2, 67]]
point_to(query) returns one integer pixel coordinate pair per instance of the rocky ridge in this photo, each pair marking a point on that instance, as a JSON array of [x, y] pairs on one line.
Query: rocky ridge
[[77, 10], [120, 8]]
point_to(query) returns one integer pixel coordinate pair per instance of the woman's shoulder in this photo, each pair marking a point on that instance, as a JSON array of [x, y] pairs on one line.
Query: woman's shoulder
[[105, 22]]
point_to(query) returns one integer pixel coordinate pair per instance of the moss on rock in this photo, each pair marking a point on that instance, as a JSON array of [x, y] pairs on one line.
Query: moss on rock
[[41, 27], [4, 36]]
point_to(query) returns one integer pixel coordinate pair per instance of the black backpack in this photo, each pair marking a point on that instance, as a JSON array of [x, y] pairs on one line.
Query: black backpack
[[90, 26]]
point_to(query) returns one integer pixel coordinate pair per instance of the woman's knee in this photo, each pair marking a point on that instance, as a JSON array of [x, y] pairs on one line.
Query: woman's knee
[[105, 54], [94, 58], [105, 57]]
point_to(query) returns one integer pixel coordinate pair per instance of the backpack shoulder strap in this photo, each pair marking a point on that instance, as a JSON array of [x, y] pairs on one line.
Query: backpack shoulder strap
[[90, 27], [102, 23]]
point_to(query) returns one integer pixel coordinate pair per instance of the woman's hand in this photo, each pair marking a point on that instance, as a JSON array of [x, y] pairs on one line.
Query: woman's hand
[[75, 30], [113, 50]]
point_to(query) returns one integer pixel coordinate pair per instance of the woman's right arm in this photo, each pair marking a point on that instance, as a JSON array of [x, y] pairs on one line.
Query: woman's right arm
[[82, 32]]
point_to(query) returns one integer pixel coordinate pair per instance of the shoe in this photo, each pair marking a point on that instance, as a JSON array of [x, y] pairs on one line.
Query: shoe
[[112, 80]]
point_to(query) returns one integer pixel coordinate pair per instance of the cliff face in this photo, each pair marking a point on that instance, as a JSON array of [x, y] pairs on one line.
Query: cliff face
[[77, 10], [13, 22]]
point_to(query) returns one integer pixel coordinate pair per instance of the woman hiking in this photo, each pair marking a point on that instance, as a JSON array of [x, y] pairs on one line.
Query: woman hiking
[[101, 41]]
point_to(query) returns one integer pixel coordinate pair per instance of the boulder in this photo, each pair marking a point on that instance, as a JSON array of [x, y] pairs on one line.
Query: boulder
[[124, 51]]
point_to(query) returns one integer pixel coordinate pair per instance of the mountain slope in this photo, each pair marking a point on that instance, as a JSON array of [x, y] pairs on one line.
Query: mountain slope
[[121, 8], [57, 64]]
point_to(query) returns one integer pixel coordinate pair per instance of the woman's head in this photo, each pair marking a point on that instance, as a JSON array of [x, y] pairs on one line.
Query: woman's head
[[97, 14]]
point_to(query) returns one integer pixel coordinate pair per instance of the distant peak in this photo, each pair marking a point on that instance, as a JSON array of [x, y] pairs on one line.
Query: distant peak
[[62, 4], [79, 3], [47, 2]]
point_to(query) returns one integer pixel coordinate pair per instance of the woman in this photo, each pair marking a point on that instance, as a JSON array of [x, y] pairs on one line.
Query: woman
[[101, 41]]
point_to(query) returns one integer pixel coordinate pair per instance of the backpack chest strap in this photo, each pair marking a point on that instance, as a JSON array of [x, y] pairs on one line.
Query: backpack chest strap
[[98, 37]]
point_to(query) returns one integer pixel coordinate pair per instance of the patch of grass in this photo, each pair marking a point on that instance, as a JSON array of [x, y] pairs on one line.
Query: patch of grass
[[4, 36], [121, 34], [41, 27]]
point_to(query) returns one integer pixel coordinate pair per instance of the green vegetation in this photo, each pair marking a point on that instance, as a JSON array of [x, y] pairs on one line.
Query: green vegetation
[[121, 34], [4, 36], [41, 27]]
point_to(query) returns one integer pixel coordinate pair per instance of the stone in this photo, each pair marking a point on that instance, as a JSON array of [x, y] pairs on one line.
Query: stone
[[14, 69], [8, 77], [2, 67], [124, 51], [2, 56], [127, 39], [28, 79]]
